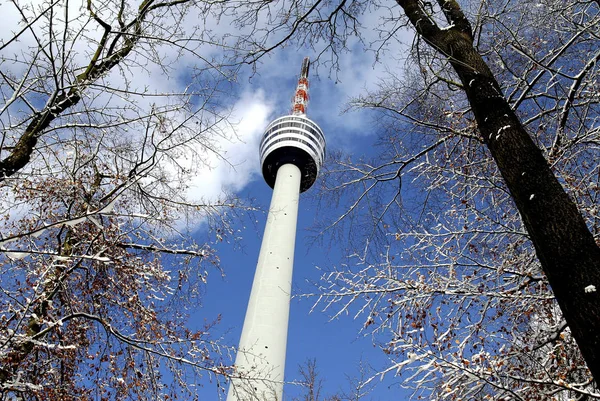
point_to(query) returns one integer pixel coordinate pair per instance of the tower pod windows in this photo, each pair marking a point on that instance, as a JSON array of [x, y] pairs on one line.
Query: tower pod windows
[[292, 139]]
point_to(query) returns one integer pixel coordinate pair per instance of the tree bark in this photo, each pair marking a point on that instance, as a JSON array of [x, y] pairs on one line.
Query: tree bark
[[564, 245]]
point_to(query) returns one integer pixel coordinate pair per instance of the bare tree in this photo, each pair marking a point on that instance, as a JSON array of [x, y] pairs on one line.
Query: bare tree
[[311, 381], [356, 387], [564, 245], [99, 271], [457, 274]]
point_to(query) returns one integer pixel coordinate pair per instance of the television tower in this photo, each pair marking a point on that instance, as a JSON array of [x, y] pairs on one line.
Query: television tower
[[292, 151]]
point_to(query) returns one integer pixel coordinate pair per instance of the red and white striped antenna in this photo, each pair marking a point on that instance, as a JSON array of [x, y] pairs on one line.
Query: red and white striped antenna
[[300, 100]]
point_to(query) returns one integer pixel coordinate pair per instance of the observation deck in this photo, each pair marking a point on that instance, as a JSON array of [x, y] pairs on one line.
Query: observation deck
[[292, 139]]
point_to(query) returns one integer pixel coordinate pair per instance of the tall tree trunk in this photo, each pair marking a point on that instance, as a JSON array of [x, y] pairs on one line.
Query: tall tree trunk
[[564, 245]]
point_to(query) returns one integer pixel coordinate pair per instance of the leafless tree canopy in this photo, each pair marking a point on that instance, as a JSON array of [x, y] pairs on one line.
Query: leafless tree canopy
[[98, 267], [450, 277]]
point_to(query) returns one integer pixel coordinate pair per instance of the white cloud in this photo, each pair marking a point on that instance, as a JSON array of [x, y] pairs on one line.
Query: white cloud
[[239, 163]]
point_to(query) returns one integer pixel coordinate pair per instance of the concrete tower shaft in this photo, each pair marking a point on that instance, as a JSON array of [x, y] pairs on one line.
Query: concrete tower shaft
[[260, 360]]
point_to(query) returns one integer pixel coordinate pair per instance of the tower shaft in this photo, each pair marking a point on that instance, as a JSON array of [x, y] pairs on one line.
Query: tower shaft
[[260, 360]]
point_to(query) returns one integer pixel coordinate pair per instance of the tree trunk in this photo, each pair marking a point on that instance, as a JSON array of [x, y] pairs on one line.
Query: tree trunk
[[564, 245]]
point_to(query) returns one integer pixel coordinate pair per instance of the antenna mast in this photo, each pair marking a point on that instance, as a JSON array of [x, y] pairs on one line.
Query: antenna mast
[[300, 101]]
